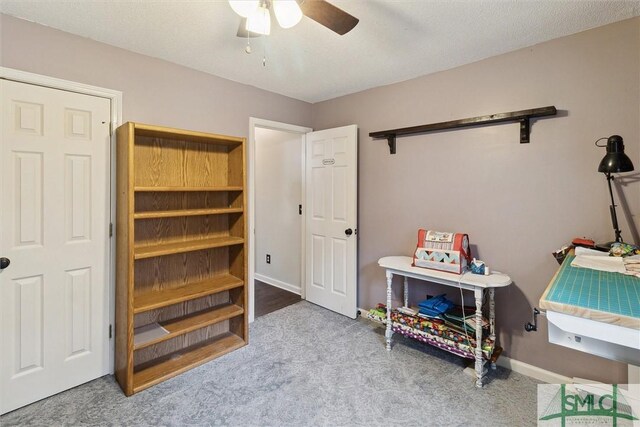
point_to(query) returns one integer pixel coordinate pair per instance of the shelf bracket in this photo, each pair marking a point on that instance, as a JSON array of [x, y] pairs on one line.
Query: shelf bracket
[[523, 117], [391, 140], [525, 131]]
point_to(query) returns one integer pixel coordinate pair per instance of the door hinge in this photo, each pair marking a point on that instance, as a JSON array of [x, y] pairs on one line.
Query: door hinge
[[110, 331], [110, 128], [299, 209], [110, 229]]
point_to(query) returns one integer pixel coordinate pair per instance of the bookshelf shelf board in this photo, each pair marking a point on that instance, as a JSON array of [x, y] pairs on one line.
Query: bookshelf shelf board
[[185, 212], [191, 322], [162, 189], [181, 135], [173, 364], [149, 251], [158, 299]]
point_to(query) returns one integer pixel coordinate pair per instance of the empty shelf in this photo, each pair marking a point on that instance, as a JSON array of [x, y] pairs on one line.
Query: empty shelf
[[185, 212], [191, 322], [225, 188], [157, 299], [148, 251], [180, 361]]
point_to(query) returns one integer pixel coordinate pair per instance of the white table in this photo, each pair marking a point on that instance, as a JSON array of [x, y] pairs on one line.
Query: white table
[[401, 266]]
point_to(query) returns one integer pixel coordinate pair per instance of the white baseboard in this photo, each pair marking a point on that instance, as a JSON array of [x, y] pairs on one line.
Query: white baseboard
[[533, 371], [524, 369], [277, 283]]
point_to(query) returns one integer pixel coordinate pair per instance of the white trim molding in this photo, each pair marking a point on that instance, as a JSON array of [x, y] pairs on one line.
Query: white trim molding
[[533, 371], [251, 177], [278, 284], [53, 82], [115, 98]]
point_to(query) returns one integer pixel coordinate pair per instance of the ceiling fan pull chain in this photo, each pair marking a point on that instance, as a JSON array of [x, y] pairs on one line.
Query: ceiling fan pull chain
[[264, 53], [248, 48]]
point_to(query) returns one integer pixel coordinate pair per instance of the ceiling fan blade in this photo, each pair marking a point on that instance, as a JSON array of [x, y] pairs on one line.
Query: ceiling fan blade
[[242, 30], [330, 16]]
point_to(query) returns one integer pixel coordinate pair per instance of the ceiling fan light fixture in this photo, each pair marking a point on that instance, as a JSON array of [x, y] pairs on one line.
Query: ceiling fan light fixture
[[259, 21], [244, 8], [287, 12]]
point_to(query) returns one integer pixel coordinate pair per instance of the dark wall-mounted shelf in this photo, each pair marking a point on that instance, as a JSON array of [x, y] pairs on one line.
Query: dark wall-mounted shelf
[[522, 116]]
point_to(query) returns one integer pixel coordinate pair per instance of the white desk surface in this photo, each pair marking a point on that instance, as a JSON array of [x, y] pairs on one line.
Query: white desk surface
[[402, 265]]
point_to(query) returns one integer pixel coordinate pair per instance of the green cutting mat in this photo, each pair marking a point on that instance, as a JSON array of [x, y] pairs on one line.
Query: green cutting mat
[[597, 290]]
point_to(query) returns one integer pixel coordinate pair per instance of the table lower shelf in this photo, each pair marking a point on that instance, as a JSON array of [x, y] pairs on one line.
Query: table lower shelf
[[489, 349], [436, 341]]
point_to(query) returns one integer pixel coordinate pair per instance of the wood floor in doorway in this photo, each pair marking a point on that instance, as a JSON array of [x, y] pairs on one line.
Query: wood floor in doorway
[[269, 298]]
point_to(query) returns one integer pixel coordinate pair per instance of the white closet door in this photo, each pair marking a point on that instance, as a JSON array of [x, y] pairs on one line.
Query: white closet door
[[54, 230]]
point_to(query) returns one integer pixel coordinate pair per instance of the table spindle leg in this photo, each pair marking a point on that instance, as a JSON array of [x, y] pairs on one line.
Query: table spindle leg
[[492, 319], [389, 333], [406, 291], [479, 360]]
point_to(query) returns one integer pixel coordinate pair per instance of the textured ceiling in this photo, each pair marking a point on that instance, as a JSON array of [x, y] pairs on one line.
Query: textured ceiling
[[394, 41]]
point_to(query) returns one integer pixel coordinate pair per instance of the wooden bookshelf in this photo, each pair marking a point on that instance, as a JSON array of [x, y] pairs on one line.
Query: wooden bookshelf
[[181, 251]]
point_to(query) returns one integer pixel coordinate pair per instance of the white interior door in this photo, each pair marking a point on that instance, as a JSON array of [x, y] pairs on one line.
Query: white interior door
[[54, 216], [331, 200]]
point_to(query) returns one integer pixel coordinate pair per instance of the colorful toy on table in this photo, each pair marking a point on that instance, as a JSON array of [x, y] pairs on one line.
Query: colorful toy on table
[[479, 267], [443, 251]]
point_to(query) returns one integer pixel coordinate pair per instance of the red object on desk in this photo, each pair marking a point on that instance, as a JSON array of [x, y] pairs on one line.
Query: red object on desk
[[581, 241]]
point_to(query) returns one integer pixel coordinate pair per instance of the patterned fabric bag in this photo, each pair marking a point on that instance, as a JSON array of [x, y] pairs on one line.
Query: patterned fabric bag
[[444, 251]]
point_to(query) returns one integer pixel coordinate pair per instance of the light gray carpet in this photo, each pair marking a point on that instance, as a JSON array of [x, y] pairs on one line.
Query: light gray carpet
[[305, 366]]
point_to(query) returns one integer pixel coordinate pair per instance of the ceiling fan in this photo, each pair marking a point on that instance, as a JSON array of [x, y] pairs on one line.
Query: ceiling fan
[[256, 16]]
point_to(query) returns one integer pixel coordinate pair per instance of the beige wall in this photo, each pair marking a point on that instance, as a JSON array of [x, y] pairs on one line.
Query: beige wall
[[154, 91], [517, 202]]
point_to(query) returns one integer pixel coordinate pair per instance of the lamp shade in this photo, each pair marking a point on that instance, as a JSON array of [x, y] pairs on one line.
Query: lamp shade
[[615, 160]]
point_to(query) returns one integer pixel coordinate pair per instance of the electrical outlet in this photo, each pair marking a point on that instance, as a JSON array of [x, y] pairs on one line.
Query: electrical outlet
[[268, 259]]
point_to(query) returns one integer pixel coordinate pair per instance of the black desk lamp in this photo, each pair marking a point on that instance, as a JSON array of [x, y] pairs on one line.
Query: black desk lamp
[[613, 162]]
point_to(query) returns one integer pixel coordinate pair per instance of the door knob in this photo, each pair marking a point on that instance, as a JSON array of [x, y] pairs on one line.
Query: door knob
[[4, 263], [348, 232]]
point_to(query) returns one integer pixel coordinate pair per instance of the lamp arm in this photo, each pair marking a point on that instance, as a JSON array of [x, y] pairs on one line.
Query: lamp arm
[[612, 210]]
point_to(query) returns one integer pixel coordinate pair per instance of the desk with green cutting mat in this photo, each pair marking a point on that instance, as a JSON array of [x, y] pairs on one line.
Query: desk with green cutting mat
[[594, 311]]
